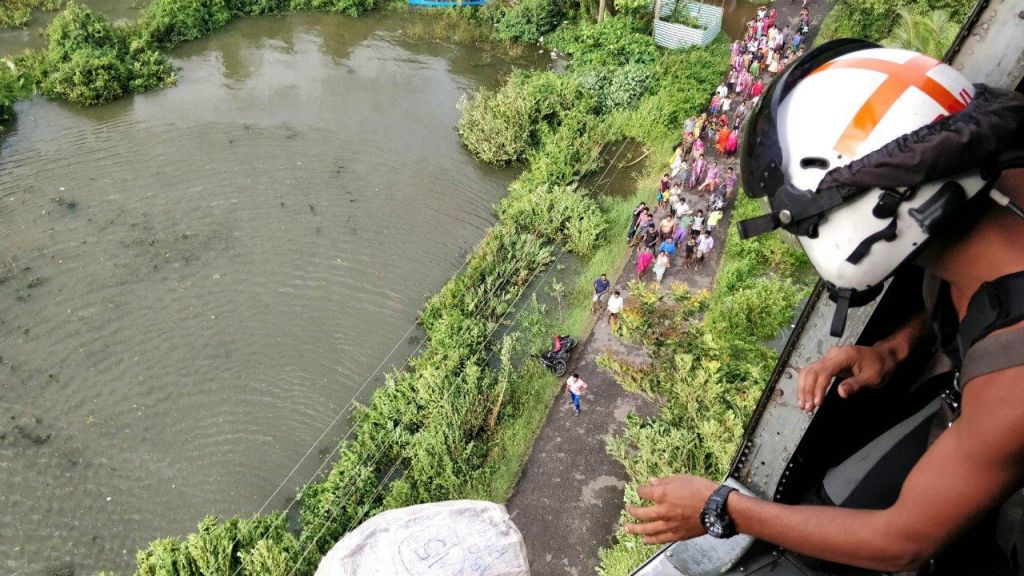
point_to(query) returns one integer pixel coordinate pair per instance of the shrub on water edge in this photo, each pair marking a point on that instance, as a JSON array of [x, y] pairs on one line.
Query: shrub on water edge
[[612, 43], [257, 7], [616, 88], [566, 152], [223, 548], [18, 13], [171, 22], [566, 215], [500, 126], [528, 20], [90, 60], [17, 80]]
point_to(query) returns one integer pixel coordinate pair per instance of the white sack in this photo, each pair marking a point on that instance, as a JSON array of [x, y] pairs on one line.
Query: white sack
[[456, 538]]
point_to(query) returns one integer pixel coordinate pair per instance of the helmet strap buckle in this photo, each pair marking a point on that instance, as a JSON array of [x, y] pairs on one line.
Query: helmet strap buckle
[[889, 201]]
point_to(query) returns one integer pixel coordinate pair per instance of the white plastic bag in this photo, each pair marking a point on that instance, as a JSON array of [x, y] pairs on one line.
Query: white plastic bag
[[456, 538]]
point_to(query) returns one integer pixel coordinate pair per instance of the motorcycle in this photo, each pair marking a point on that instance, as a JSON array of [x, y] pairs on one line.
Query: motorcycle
[[717, 202], [557, 359]]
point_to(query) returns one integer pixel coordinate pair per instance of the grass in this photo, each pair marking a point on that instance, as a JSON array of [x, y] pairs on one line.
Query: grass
[[514, 442], [456, 26]]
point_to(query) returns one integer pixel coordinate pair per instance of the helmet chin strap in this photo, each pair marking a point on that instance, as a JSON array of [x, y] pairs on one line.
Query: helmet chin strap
[[1004, 201], [1008, 160]]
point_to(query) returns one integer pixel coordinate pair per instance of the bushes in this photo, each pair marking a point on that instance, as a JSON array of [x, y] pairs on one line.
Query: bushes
[[875, 19], [236, 546], [500, 126], [708, 374], [564, 214], [257, 7], [529, 20], [89, 60], [616, 88], [612, 43], [171, 22], [17, 78], [18, 13]]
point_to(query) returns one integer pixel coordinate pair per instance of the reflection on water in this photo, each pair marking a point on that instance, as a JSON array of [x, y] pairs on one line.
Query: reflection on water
[[16, 40], [194, 282], [737, 14]]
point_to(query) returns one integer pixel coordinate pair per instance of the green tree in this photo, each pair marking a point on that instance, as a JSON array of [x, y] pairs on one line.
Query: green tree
[[930, 33]]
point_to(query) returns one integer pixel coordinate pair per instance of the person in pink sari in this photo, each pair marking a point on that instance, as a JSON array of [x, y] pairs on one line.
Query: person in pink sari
[[743, 83], [697, 173], [697, 150], [732, 143]]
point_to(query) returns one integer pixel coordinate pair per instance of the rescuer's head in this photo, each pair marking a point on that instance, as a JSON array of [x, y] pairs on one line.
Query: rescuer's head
[[865, 153]]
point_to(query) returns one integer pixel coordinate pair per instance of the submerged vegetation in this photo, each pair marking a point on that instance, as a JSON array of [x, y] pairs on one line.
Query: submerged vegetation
[[18, 13], [710, 364]]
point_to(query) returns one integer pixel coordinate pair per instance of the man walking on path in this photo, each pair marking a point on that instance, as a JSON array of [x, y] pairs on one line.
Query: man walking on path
[[601, 286], [704, 246], [575, 387], [614, 309]]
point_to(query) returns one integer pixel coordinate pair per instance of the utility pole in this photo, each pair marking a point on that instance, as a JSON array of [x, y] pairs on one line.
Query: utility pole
[[657, 13]]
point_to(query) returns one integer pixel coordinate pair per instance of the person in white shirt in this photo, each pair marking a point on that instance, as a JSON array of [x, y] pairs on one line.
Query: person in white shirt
[[704, 246], [614, 308], [575, 387], [681, 208]]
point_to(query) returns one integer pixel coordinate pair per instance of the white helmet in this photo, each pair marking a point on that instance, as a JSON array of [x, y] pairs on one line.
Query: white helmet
[[849, 148]]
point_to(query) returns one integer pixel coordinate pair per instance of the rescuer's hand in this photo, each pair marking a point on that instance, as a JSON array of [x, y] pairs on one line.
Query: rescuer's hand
[[678, 501], [869, 366]]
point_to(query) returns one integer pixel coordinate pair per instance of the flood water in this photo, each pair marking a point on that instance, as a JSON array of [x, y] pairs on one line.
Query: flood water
[[17, 39], [195, 282], [737, 14]]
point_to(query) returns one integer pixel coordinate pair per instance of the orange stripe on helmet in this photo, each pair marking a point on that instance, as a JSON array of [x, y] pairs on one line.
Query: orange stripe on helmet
[[900, 78]]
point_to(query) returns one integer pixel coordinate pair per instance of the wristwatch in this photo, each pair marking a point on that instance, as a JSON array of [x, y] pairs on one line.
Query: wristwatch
[[716, 522]]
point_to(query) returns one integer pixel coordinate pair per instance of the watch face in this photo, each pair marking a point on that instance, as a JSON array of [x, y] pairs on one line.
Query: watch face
[[712, 524], [715, 529]]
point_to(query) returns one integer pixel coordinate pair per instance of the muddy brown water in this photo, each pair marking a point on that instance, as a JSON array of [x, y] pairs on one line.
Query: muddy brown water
[[737, 14], [196, 281], [31, 36]]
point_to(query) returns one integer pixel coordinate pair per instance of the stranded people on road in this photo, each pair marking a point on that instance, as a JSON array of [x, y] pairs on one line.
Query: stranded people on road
[[643, 261], [574, 388], [704, 245], [661, 264], [601, 286], [615, 304]]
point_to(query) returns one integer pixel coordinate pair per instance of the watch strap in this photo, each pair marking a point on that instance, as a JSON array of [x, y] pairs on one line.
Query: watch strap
[[714, 514], [716, 502]]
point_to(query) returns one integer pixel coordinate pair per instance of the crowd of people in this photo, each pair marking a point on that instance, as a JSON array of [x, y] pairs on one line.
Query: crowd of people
[[684, 232]]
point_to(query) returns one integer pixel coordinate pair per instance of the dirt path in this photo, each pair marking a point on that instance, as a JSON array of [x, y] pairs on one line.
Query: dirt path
[[569, 498]]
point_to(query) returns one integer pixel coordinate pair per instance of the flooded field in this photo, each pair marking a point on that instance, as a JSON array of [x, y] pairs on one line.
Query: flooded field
[[195, 282]]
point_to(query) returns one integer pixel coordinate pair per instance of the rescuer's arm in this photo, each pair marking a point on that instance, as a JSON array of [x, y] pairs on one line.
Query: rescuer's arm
[[970, 468], [870, 366]]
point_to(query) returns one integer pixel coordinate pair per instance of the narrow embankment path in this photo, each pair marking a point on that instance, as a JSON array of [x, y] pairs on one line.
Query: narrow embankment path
[[569, 498]]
